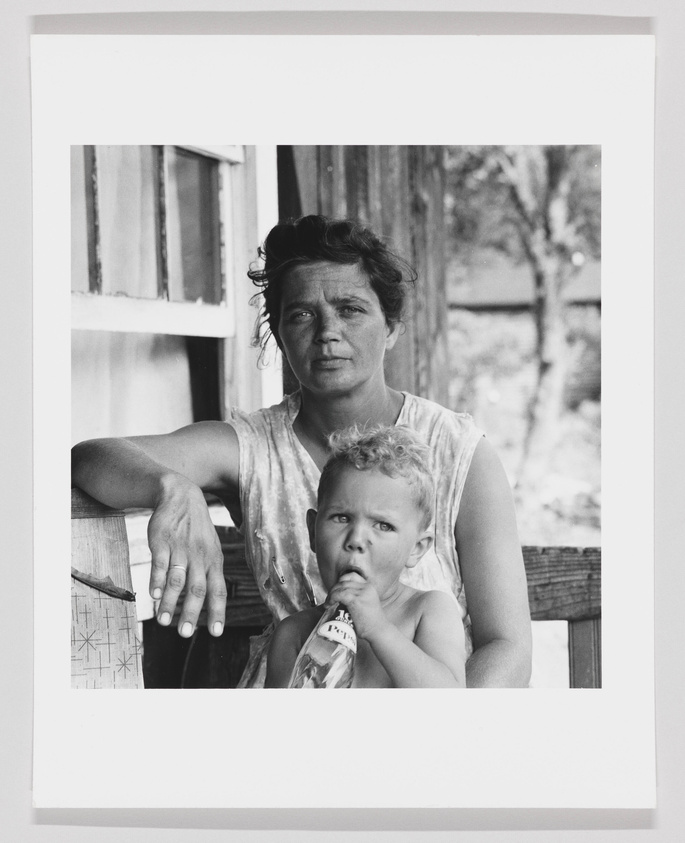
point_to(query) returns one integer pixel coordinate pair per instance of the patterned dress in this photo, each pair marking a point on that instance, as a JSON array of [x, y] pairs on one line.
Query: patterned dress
[[278, 484]]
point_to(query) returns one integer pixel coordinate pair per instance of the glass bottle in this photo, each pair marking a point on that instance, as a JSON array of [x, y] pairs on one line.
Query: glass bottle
[[327, 658]]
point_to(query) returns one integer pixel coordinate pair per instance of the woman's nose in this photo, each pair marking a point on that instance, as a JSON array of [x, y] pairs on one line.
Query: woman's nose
[[328, 329]]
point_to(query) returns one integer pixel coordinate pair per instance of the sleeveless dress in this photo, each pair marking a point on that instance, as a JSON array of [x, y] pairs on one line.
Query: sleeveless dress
[[278, 484]]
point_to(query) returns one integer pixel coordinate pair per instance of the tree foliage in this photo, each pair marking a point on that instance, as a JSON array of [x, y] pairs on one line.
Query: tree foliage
[[538, 205], [500, 196]]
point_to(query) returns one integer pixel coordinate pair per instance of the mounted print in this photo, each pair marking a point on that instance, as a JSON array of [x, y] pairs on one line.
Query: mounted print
[[373, 346]]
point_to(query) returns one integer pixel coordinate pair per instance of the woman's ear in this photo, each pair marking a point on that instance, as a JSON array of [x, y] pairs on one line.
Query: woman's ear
[[311, 526], [422, 546], [394, 329]]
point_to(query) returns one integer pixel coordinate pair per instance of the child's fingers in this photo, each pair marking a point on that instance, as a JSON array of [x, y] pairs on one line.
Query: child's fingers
[[345, 592]]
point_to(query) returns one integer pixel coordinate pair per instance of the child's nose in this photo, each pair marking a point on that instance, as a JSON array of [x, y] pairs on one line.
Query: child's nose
[[355, 540]]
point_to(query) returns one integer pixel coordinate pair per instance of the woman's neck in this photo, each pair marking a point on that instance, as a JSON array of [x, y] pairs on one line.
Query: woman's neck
[[319, 417]]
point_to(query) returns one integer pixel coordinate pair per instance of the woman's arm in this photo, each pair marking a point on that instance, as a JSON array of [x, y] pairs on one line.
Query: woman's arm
[[168, 474], [494, 576]]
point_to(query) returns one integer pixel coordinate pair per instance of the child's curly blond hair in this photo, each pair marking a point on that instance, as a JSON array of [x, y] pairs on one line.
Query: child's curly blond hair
[[396, 451]]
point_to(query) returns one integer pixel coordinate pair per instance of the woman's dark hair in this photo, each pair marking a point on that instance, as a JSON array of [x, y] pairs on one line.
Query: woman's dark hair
[[315, 238]]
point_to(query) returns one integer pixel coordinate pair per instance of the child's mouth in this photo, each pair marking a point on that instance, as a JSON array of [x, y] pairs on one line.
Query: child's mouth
[[352, 569]]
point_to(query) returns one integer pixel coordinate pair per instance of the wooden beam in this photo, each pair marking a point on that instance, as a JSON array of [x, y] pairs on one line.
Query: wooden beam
[[105, 645], [585, 653], [564, 583]]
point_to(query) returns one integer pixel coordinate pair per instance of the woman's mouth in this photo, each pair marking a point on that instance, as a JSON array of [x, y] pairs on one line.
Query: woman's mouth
[[328, 362]]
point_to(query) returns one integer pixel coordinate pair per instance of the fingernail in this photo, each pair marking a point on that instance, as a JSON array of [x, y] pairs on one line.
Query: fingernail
[[187, 629], [157, 593], [165, 619], [218, 628]]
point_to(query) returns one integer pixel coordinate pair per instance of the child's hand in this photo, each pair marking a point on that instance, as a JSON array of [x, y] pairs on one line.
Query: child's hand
[[363, 602]]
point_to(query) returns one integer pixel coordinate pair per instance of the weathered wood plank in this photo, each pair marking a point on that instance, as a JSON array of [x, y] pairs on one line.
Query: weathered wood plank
[[585, 653], [105, 646], [427, 229], [564, 583]]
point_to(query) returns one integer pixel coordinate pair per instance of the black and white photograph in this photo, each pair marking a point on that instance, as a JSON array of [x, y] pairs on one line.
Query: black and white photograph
[[351, 377], [485, 265]]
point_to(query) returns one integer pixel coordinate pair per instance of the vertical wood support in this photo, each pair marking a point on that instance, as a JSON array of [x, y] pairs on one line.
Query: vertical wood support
[[93, 220], [161, 189], [105, 646], [585, 653]]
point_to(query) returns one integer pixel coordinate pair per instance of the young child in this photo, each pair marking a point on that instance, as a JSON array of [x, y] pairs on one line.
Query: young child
[[375, 505]]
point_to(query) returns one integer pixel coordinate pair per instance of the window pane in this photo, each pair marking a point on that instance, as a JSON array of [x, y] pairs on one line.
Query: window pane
[[128, 210], [193, 228]]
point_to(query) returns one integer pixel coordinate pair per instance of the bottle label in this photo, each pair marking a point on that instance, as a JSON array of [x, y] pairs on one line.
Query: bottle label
[[340, 629]]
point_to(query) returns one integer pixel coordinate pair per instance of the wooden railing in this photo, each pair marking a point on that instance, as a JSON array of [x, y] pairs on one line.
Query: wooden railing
[[564, 583]]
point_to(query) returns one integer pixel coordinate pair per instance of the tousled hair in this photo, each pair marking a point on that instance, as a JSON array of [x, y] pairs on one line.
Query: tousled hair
[[315, 238], [396, 451]]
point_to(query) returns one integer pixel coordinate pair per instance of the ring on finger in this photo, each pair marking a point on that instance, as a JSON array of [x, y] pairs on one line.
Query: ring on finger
[[182, 567]]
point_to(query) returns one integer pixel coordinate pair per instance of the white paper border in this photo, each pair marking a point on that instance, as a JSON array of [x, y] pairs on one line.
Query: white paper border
[[554, 749]]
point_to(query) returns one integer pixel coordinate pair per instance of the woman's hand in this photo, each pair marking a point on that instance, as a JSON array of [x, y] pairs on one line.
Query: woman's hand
[[186, 552], [168, 473], [363, 602]]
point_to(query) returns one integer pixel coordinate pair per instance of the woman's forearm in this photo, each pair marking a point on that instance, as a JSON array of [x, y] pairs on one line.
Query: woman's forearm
[[119, 473]]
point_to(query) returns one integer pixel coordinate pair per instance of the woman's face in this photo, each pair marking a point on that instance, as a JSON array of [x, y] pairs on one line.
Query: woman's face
[[333, 329]]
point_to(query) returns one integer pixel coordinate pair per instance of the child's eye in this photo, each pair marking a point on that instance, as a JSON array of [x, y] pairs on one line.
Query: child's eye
[[340, 518], [384, 527]]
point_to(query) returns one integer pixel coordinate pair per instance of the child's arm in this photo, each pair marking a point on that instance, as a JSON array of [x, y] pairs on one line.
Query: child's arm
[[284, 649], [434, 659]]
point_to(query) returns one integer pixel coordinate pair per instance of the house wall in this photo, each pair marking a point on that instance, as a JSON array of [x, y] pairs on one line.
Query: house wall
[[125, 384]]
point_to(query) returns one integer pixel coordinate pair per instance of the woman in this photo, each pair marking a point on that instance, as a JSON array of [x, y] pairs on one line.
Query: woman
[[333, 296]]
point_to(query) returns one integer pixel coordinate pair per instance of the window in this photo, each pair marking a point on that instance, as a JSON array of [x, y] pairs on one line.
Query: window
[[151, 239], [161, 322]]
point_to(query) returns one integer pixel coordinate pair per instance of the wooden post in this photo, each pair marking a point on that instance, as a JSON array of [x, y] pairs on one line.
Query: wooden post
[[585, 653], [105, 645]]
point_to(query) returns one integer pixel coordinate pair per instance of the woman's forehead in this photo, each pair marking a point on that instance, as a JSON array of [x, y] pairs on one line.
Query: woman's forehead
[[327, 279]]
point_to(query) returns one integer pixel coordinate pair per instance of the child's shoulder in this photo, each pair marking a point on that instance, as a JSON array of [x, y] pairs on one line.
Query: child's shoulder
[[435, 602]]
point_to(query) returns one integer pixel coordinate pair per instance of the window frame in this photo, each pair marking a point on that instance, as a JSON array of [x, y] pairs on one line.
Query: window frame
[[98, 311]]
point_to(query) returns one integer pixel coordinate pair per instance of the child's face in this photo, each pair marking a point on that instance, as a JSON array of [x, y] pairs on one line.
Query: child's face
[[369, 524]]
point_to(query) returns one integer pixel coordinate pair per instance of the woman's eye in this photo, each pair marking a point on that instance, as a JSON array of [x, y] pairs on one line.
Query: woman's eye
[[300, 316], [350, 310]]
